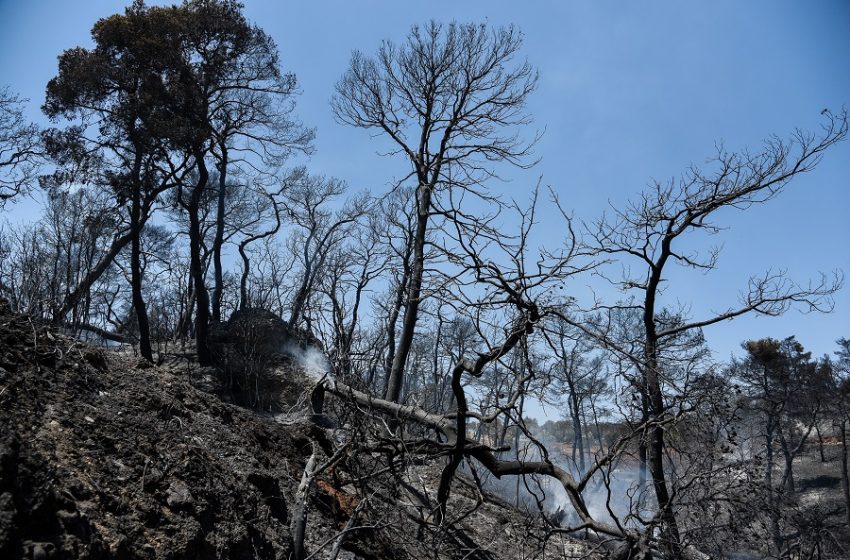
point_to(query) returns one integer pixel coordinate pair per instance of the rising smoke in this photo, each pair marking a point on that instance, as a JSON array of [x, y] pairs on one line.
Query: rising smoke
[[612, 494], [311, 360]]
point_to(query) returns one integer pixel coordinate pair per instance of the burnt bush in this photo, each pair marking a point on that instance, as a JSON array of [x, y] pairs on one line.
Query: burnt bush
[[252, 353]]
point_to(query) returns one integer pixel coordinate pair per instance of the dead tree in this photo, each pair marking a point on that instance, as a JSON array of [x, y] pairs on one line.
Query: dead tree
[[20, 147], [577, 377], [650, 232], [397, 237], [444, 99], [348, 273], [252, 235], [253, 133], [505, 284], [319, 231]]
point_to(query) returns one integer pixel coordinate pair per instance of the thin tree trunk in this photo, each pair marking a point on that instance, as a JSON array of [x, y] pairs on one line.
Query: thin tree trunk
[[187, 305], [788, 474], [414, 294], [517, 436], [202, 301], [243, 252], [300, 299], [773, 504], [218, 274], [436, 374], [657, 411], [392, 322], [243, 280], [299, 508], [655, 448], [578, 436], [845, 476], [820, 443], [136, 272], [643, 442], [83, 287]]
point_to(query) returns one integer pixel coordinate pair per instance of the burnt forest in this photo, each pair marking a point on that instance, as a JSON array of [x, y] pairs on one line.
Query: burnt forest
[[223, 336]]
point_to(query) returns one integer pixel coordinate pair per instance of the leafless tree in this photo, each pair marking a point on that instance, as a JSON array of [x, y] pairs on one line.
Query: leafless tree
[[47, 260], [253, 131], [399, 217], [509, 292], [20, 147], [578, 376], [349, 271], [319, 230], [447, 99], [252, 234], [650, 232]]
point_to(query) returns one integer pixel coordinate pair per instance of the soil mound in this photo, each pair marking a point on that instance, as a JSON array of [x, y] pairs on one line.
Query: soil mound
[[103, 456]]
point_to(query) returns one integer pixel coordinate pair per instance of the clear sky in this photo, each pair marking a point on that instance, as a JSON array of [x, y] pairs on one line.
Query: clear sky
[[628, 92]]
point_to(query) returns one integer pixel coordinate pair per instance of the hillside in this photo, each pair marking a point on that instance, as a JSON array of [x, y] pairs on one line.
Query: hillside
[[105, 456]]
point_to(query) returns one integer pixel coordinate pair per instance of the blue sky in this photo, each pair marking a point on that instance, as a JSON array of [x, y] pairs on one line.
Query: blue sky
[[628, 92]]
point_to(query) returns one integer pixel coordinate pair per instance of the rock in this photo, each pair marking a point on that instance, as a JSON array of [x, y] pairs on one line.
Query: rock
[[40, 550], [253, 353], [178, 495]]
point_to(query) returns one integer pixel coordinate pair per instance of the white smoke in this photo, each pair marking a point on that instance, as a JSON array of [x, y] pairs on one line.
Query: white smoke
[[311, 360], [620, 491]]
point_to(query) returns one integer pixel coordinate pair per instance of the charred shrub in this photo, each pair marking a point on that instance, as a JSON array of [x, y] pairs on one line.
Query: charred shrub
[[250, 353]]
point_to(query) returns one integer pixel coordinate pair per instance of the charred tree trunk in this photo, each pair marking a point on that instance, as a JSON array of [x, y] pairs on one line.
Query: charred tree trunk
[[643, 443], [218, 274], [187, 305], [788, 473], [300, 299], [845, 476], [136, 260], [243, 252], [299, 508], [773, 502], [820, 443], [414, 294], [657, 410], [578, 435], [392, 321], [83, 287], [202, 301], [243, 280]]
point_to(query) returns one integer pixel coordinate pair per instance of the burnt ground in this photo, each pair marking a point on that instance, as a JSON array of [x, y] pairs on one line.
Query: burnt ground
[[105, 456]]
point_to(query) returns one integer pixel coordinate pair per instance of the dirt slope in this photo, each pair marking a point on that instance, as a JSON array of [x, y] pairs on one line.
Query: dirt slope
[[105, 456], [101, 457]]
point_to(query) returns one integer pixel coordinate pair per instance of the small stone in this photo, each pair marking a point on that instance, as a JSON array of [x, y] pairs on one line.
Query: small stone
[[41, 551], [178, 495]]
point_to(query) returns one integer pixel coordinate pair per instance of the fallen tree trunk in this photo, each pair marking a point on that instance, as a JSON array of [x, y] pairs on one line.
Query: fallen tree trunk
[[481, 452], [445, 424], [103, 333]]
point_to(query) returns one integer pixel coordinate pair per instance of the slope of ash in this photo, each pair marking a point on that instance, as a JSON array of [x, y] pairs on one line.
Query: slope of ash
[[103, 457], [106, 456]]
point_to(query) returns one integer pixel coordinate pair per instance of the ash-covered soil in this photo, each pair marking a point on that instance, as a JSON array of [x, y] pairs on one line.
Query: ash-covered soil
[[105, 456]]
